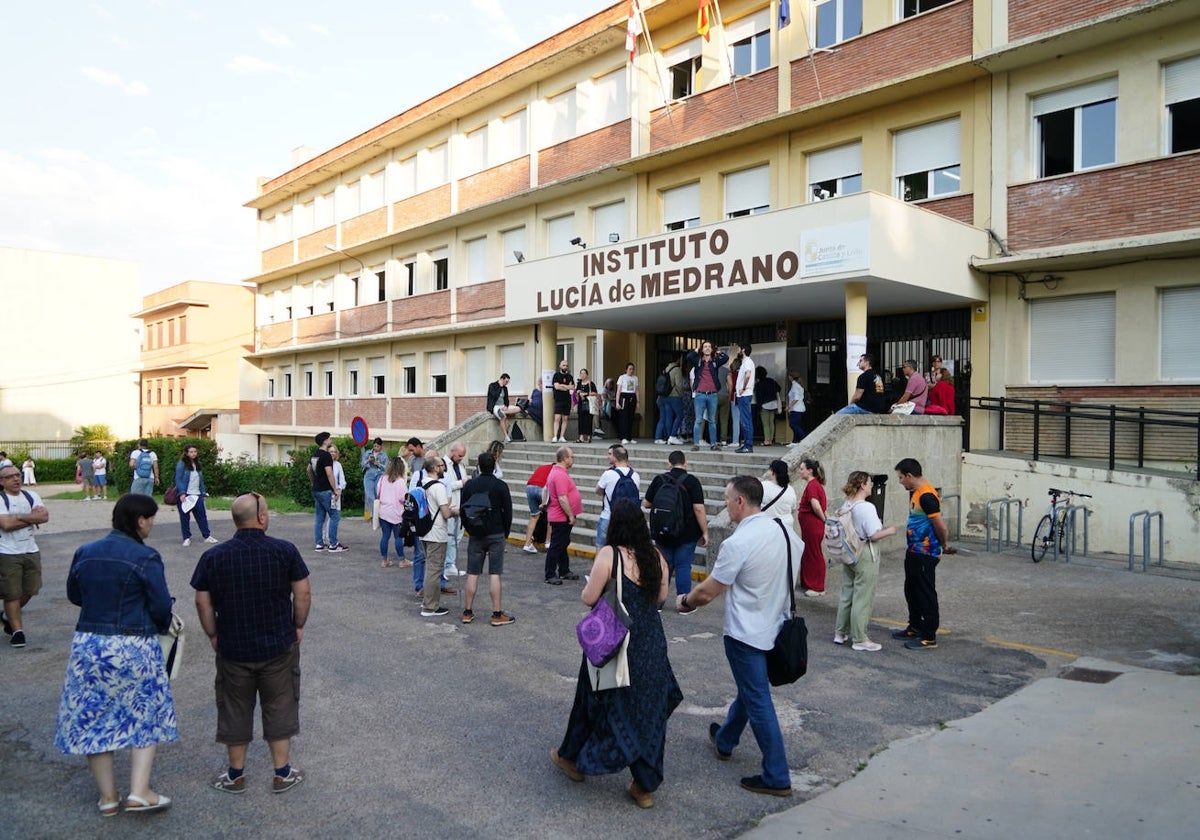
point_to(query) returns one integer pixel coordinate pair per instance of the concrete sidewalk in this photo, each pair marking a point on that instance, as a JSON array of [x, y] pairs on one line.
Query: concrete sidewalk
[[1059, 758]]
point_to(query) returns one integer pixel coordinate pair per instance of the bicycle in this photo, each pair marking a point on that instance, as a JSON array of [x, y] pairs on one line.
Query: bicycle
[[1052, 526]]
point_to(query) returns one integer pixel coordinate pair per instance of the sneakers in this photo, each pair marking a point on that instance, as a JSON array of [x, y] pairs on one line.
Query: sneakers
[[631, 441], [712, 736], [624, 441], [554, 581], [906, 633], [530, 548], [812, 593], [228, 785], [570, 576], [696, 448], [659, 442], [453, 572], [438, 611], [755, 784], [334, 549], [211, 539], [320, 547], [501, 618], [674, 441], [285, 783], [468, 616], [18, 639], [743, 450], [866, 644], [187, 542], [507, 440], [839, 639], [912, 644]]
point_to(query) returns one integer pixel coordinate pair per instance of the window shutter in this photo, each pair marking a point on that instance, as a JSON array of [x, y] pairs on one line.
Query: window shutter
[[681, 203], [747, 189], [834, 163], [928, 147], [1073, 97], [1073, 339], [1179, 339], [1181, 80]]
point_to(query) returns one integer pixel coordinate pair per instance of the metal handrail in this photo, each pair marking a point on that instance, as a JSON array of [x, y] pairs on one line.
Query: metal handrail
[[1111, 414]]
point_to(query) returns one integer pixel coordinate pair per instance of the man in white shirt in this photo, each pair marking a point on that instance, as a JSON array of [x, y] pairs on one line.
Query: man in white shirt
[[20, 559], [744, 391], [751, 570], [438, 499], [454, 477], [618, 466]]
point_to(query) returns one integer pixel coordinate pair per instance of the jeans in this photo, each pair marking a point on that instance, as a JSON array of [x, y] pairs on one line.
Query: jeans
[[853, 408], [679, 562], [201, 519], [370, 483], [390, 532], [747, 418], [796, 422], [705, 406], [753, 705], [668, 416], [418, 565], [602, 529], [323, 499]]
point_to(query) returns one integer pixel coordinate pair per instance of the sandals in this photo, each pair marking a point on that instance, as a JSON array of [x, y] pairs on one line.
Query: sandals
[[386, 564], [109, 809], [565, 765], [136, 805], [404, 564]]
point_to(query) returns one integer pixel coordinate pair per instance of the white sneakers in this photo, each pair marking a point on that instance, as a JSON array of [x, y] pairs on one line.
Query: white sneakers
[[659, 442], [530, 548], [839, 639], [188, 541], [867, 645], [453, 572], [211, 539], [675, 441]]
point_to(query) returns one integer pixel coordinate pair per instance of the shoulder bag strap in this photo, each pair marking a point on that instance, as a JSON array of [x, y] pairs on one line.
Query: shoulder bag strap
[[776, 499], [791, 586]]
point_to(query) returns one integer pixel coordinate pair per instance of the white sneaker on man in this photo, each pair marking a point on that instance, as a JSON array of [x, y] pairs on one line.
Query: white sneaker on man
[[530, 548], [675, 441], [453, 572], [659, 442]]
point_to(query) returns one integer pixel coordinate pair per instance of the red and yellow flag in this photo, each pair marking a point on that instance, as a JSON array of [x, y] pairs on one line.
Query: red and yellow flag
[[702, 19]]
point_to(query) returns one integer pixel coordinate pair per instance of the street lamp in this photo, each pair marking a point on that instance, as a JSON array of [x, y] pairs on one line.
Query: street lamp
[[361, 264]]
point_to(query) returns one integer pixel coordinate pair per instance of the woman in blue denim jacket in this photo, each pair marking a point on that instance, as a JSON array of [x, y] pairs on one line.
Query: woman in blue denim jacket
[[116, 694], [189, 483]]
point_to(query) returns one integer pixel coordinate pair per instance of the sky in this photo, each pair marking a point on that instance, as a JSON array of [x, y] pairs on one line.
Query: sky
[[137, 129]]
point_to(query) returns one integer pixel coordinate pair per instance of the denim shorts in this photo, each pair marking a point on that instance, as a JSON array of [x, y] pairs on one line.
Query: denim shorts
[[533, 495]]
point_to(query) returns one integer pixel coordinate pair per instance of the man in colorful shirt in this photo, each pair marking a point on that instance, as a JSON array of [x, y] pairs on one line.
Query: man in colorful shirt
[[927, 539]]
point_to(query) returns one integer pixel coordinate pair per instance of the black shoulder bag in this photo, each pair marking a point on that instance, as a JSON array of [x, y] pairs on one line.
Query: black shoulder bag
[[788, 660]]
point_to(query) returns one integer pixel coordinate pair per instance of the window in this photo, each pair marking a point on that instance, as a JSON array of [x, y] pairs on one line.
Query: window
[[348, 201], [559, 233], [270, 387], [403, 176], [170, 392], [475, 362], [608, 100], [352, 378], [512, 242], [323, 211], [685, 77], [371, 192], [1076, 128], [408, 374], [908, 8], [182, 387], [512, 138], [308, 380], [283, 227], [380, 277], [327, 378], [748, 192], [158, 391], [304, 216], [433, 169], [608, 219], [475, 151], [749, 40], [378, 376], [436, 363], [477, 260], [1072, 339], [170, 332], [1181, 89], [681, 207], [834, 172], [927, 160], [149, 394], [512, 362], [565, 350], [441, 269], [1179, 340], [410, 273], [561, 116], [183, 329], [838, 20], [323, 296]]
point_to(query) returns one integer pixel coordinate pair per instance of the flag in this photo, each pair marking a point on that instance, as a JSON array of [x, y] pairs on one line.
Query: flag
[[702, 19], [785, 13], [633, 30]]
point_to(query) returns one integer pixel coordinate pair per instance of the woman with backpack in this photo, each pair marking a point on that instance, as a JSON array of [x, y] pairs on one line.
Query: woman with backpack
[[860, 577], [189, 484], [812, 527], [390, 492]]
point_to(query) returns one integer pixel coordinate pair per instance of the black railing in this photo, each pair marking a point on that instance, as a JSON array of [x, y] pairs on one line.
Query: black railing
[[1114, 416]]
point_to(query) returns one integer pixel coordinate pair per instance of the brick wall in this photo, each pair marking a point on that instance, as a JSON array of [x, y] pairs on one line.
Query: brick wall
[[585, 153], [493, 184], [428, 310], [1132, 200], [313, 245], [715, 110], [1029, 17], [275, 412], [249, 412], [464, 407], [321, 327], [364, 320], [277, 257], [373, 410], [310, 412], [428, 206], [420, 413], [929, 40], [960, 207], [274, 335], [370, 225], [483, 300]]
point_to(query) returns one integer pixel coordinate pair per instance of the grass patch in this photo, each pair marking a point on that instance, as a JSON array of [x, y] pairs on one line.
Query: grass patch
[[277, 504]]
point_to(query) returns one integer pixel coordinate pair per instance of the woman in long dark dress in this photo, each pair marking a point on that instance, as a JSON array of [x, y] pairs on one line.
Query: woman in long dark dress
[[626, 727]]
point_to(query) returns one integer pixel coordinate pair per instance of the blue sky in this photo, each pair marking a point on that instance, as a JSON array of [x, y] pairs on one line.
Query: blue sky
[[136, 128]]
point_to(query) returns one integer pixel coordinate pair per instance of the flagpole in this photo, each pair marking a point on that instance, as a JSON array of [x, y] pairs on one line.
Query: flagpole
[[811, 63], [658, 69], [728, 63]]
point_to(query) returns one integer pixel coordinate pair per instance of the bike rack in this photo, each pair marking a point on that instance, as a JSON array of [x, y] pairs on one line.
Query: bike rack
[[957, 513], [1003, 521], [1069, 523], [1146, 518]]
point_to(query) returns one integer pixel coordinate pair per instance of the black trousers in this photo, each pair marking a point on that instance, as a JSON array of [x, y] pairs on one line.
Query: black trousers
[[920, 591], [626, 415], [557, 561]]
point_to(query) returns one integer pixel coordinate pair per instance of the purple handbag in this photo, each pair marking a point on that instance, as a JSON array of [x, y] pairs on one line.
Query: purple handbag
[[602, 630]]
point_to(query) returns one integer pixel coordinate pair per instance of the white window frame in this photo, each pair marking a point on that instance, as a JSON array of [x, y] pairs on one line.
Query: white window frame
[[559, 232], [475, 371], [433, 167], [511, 138], [608, 219], [403, 178], [748, 191], [919, 7], [477, 264], [348, 200], [377, 387], [1072, 339], [307, 380], [607, 100], [408, 374], [934, 150], [562, 117], [439, 270], [435, 368], [323, 210], [841, 24], [689, 53], [512, 241], [753, 33], [1179, 340], [513, 362], [1181, 86], [1083, 102], [839, 167], [327, 379], [283, 226], [353, 378], [475, 150], [371, 193], [303, 217], [681, 206]]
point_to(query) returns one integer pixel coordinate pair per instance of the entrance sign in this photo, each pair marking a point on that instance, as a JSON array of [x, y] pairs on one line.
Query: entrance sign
[[836, 249]]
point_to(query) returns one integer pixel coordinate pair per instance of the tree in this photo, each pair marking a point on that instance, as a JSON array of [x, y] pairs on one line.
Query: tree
[[93, 437]]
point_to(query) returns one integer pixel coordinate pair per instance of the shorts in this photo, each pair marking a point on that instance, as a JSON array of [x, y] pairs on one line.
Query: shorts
[[493, 546], [562, 405], [100, 480], [88, 479], [498, 411], [533, 495], [20, 575], [275, 682]]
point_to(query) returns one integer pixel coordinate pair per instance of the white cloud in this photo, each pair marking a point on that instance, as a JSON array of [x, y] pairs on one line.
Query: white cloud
[[318, 29], [250, 65], [106, 77], [274, 37]]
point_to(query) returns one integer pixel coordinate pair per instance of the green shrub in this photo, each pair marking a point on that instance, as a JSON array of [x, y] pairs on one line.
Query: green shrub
[[300, 488], [169, 451], [52, 470]]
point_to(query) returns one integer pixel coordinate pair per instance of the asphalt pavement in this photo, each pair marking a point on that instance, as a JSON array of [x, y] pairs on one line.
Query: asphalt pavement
[[429, 727]]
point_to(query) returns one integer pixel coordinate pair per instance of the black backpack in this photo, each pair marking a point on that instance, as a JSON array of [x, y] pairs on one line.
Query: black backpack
[[662, 385], [476, 513], [672, 506]]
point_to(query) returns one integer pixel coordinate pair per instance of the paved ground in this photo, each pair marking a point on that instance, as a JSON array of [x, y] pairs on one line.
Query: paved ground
[[416, 727]]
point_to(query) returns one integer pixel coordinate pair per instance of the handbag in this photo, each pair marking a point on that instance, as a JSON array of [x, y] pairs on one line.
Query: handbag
[[602, 630], [171, 643], [787, 661], [615, 672], [375, 515], [171, 496], [903, 408]]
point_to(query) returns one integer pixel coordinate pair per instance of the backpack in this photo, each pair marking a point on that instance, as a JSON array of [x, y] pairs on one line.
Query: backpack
[[625, 488], [417, 518], [662, 385], [144, 468], [672, 506], [841, 541], [24, 493], [476, 513]]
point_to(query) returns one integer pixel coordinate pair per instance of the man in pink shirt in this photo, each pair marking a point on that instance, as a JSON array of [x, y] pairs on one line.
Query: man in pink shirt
[[916, 391], [563, 505]]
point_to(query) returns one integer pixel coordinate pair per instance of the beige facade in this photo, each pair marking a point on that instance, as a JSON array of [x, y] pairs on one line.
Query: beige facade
[[72, 348], [195, 335]]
